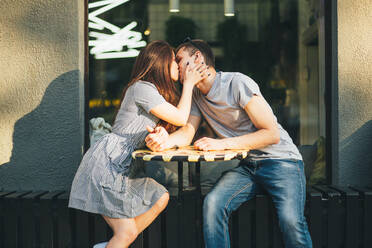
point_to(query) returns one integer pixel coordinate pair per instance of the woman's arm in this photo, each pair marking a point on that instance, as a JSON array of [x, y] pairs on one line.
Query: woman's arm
[[159, 140], [178, 115]]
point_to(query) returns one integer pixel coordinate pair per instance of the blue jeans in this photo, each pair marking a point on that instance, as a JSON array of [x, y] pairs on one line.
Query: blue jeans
[[283, 180]]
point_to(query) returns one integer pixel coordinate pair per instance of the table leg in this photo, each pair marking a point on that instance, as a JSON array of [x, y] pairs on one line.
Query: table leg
[[191, 175], [197, 178], [198, 209], [180, 204], [180, 177]]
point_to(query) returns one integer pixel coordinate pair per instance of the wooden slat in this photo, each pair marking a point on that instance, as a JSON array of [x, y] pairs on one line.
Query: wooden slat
[[172, 222], [82, 229], [335, 216], [37, 213], [315, 217], [350, 200], [63, 223], [153, 236], [100, 230], [365, 195], [25, 218], [2, 217], [262, 221], [235, 229], [12, 219], [48, 219], [247, 226]]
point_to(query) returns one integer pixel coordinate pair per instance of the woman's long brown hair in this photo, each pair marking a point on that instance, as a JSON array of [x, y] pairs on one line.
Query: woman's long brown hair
[[153, 64]]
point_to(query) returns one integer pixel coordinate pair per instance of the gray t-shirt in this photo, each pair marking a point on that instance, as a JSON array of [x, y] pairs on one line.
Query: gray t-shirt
[[223, 109], [134, 113]]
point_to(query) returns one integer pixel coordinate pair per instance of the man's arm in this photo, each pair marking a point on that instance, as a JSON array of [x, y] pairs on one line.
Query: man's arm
[[262, 118], [181, 137]]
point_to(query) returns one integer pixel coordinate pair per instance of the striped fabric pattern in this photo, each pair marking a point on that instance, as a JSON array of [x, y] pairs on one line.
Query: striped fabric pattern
[[102, 184]]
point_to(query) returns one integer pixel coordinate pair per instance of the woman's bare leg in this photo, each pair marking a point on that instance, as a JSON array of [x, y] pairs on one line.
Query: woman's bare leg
[[127, 230], [145, 219]]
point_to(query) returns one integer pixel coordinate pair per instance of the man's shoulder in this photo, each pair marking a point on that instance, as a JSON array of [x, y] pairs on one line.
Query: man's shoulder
[[239, 80], [236, 77]]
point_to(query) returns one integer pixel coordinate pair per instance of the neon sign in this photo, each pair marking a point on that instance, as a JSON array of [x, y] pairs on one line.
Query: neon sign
[[111, 46]]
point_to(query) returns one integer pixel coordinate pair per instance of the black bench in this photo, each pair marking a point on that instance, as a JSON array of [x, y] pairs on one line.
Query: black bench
[[337, 217]]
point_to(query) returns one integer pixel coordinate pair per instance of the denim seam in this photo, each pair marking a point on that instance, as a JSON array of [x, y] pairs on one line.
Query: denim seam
[[302, 194], [302, 187], [228, 203]]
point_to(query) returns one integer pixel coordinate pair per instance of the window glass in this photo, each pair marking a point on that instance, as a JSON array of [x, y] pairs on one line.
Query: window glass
[[275, 42]]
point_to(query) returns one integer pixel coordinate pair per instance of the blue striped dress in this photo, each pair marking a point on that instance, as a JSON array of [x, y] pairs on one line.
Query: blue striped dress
[[102, 184]]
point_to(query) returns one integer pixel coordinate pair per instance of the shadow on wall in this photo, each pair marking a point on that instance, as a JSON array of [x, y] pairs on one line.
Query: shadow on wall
[[356, 157], [47, 141]]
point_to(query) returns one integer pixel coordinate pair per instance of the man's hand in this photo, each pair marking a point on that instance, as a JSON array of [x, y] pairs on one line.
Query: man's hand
[[208, 144], [157, 138]]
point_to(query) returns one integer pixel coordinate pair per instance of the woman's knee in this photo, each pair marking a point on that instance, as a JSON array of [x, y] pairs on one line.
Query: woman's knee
[[126, 235], [125, 230]]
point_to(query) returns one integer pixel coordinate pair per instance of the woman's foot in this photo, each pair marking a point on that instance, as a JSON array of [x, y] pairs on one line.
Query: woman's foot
[[100, 245]]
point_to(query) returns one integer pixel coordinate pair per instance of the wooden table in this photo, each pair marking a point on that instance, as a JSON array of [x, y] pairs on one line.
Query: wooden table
[[190, 155]]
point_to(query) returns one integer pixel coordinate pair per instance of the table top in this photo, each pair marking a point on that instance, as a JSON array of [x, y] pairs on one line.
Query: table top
[[188, 153]]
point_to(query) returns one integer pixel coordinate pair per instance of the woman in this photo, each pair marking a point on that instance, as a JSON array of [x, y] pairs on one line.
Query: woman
[[101, 184]]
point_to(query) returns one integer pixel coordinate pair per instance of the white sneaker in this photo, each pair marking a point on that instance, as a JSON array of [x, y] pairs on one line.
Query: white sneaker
[[100, 245]]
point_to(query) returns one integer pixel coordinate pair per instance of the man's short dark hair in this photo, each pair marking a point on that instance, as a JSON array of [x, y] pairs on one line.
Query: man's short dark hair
[[192, 46]]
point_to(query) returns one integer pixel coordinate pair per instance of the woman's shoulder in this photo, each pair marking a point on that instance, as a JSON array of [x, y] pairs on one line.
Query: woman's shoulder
[[143, 86], [143, 83]]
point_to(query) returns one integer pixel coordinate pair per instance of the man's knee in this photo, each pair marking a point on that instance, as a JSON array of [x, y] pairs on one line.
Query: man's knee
[[289, 222], [213, 202], [295, 231]]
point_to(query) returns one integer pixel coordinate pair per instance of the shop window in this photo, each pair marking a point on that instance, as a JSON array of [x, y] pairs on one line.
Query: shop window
[[278, 43]]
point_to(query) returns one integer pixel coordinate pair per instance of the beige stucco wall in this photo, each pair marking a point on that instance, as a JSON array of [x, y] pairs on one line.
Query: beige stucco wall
[[355, 92], [41, 92]]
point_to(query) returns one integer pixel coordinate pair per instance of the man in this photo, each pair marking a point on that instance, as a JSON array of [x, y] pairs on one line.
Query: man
[[233, 106]]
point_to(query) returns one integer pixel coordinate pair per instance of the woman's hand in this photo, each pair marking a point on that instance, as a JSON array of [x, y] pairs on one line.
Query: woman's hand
[[195, 75], [157, 138], [179, 115]]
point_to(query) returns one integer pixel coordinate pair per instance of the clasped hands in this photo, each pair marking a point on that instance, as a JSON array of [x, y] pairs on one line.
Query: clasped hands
[[158, 140]]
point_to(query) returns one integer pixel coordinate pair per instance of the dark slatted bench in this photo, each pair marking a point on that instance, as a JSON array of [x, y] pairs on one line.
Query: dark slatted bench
[[338, 216]]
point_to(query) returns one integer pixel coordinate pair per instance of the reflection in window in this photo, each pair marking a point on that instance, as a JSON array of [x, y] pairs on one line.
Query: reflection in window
[[273, 41]]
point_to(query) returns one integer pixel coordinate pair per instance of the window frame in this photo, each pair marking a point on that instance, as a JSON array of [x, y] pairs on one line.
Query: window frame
[[329, 59]]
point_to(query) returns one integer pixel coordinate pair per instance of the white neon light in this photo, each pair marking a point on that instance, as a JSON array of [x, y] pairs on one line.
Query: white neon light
[[111, 46]]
